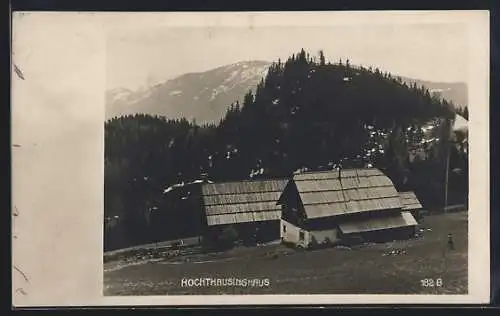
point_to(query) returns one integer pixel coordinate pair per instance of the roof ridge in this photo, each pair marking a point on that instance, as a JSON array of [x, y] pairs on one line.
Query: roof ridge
[[343, 177], [248, 180], [346, 189], [336, 170], [244, 203], [260, 211], [246, 192], [356, 200]]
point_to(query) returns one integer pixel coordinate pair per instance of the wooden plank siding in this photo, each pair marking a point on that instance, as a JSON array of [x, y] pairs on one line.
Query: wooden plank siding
[[336, 203], [334, 193], [242, 202]]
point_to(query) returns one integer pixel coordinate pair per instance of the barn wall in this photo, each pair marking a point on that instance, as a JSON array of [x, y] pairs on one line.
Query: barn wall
[[322, 224], [264, 231], [268, 230], [291, 233], [321, 235], [400, 233], [290, 200]]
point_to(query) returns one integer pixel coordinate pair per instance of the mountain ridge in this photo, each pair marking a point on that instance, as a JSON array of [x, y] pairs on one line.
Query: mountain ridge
[[205, 96]]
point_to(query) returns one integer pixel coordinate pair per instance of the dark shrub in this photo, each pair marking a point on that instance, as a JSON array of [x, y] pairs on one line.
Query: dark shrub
[[177, 245], [314, 243], [351, 241], [287, 244], [328, 242], [228, 237]]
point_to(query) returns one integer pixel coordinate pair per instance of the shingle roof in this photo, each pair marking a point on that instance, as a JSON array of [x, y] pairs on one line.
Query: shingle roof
[[410, 201], [223, 219], [325, 194], [403, 219], [346, 173], [244, 201]]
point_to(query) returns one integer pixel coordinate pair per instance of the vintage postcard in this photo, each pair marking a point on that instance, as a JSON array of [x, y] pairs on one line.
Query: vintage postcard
[[250, 158]]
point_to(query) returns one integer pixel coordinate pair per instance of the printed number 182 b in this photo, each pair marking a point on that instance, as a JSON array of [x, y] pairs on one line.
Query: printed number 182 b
[[431, 282]]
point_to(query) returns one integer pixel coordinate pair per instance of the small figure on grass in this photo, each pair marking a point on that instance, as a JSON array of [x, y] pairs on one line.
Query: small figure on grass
[[451, 244]]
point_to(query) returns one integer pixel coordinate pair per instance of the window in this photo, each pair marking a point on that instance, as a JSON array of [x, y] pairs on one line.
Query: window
[[301, 236], [284, 228]]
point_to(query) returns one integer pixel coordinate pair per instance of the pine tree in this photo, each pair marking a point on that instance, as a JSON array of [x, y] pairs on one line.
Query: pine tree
[[397, 157], [321, 58]]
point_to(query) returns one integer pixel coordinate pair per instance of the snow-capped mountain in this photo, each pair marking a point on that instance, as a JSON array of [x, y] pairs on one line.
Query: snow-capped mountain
[[451, 91], [205, 96], [202, 96]]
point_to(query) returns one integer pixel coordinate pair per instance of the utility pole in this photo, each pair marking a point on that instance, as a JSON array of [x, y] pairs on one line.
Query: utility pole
[[446, 177], [449, 126]]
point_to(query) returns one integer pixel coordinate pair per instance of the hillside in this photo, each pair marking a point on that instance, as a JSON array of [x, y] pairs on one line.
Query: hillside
[[205, 96], [202, 96], [303, 114], [455, 92]]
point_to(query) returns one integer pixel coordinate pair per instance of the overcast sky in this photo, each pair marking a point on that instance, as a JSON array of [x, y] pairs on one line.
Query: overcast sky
[[136, 57]]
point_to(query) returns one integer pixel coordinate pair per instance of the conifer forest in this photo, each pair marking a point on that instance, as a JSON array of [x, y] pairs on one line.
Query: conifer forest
[[305, 113]]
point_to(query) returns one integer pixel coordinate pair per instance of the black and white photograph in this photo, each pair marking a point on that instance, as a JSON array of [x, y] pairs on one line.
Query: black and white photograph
[[286, 160]]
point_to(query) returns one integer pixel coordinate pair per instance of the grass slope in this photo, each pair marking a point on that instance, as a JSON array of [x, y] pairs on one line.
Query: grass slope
[[366, 270]]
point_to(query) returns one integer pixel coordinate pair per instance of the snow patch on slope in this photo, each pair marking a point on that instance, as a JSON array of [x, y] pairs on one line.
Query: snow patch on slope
[[175, 92], [118, 94], [460, 123]]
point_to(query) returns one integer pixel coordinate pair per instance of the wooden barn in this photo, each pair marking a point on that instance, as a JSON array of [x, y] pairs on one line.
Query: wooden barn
[[250, 207], [343, 204], [411, 203]]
